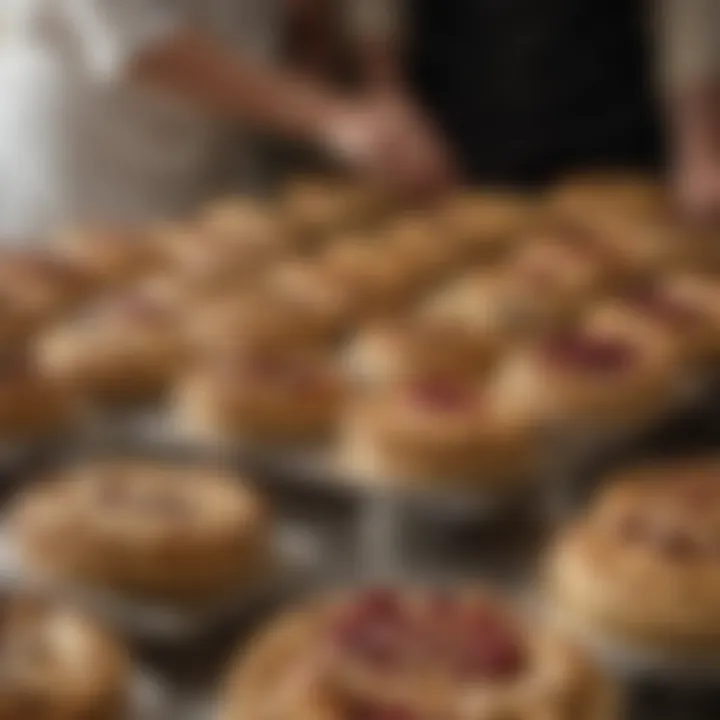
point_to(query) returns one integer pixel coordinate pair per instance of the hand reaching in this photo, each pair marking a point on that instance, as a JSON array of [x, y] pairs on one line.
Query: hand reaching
[[388, 139]]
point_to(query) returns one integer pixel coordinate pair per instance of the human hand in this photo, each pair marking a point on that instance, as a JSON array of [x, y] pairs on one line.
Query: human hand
[[697, 185], [387, 138]]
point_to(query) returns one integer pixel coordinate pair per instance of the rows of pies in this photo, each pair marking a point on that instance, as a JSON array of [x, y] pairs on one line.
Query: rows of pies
[[446, 342], [637, 569]]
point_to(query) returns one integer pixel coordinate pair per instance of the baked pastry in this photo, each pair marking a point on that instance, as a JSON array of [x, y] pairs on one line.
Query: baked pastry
[[160, 532], [564, 267], [32, 405], [124, 349], [440, 429], [376, 281], [595, 375], [680, 310], [639, 570], [228, 245], [316, 208], [417, 240], [58, 666], [620, 193], [108, 256], [263, 392], [481, 224], [412, 654], [40, 287], [387, 351], [314, 291], [247, 317], [494, 305]]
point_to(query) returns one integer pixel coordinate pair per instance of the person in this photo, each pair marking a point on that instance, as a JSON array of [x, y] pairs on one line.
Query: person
[[526, 90], [114, 110]]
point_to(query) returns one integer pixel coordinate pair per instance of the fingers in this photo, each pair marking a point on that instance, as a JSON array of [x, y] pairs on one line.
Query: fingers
[[389, 141]]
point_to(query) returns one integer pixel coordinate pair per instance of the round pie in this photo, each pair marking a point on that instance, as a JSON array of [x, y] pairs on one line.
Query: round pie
[[438, 429], [307, 285], [58, 666], [563, 267], [592, 376], [32, 405], [171, 533], [377, 654], [124, 349], [639, 569], [41, 288], [316, 208], [376, 280], [682, 310], [627, 194], [222, 248], [264, 392], [109, 256], [483, 223], [256, 316], [390, 350], [494, 305], [417, 239]]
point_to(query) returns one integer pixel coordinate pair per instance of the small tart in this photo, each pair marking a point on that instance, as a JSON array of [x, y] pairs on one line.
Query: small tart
[[32, 405], [416, 238], [378, 654], [314, 292], [440, 429], [483, 222], [110, 256], [597, 375], [238, 318], [389, 350], [376, 280], [627, 194], [57, 665], [143, 530], [565, 265], [212, 253], [126, 348], [41, 287], [640, 568], [494, 305], [316, 208], [261, 393], [680, 311]]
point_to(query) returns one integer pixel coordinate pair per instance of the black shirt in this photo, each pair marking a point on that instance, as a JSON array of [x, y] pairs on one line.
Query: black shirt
[[525, 89]]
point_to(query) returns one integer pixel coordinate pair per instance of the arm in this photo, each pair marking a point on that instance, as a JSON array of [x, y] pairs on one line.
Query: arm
[[690, 72], [378, 28], [234, 87]]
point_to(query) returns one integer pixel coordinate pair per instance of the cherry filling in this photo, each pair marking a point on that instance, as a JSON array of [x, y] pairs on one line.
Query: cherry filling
[[366, 710], [674, 544], [375, 630], [659, 305], [291, 373], [471, 643], [487, 647], [595, 354], [444, 396]]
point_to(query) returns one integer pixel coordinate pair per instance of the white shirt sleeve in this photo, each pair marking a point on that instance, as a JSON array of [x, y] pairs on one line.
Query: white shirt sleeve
[[107, 34]]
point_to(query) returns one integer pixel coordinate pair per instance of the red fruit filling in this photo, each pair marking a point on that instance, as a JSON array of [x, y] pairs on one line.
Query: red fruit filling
[[487, 648], [596, 354], [442, 395], [375, 630], [658, 305]]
